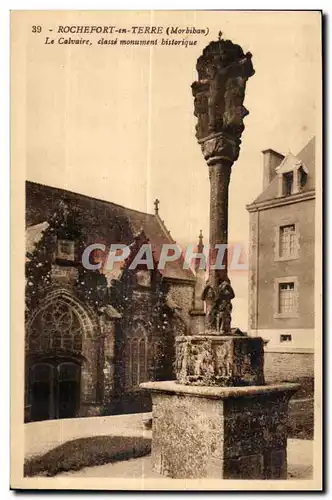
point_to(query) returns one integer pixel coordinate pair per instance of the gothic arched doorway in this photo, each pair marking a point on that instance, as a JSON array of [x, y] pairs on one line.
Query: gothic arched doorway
[[54, 389], [55, 354]]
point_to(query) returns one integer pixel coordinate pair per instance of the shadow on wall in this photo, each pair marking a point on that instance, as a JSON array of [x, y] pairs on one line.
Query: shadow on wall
[[129, 403]]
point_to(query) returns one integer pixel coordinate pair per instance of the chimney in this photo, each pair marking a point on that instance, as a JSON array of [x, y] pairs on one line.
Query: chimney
[[271, 160]]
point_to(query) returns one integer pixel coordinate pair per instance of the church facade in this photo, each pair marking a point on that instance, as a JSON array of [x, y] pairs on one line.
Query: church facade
[[92, 336]]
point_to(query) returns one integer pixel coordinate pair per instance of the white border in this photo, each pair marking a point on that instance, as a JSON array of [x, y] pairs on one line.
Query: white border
[[4, 185]]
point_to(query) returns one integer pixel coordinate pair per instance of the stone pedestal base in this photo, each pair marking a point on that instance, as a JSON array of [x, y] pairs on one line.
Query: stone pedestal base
[[215, 432], [217, 360]]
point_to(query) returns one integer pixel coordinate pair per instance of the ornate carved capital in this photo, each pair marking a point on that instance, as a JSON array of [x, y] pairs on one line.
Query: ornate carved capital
[[218, 147]]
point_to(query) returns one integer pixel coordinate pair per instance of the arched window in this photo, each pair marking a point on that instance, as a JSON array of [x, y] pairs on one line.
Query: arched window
[[56, 328], [137, 358]]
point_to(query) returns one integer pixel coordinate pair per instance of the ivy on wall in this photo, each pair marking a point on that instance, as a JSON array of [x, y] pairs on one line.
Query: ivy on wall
[[90, 286]]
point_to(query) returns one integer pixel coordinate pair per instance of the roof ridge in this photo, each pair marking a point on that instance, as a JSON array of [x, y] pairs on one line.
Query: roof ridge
[[164, 228], [313, 139], [88, 196]]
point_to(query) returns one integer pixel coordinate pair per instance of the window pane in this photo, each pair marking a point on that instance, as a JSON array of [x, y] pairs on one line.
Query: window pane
[[287, 241], [286, 298], [285, 338], [288, 183]]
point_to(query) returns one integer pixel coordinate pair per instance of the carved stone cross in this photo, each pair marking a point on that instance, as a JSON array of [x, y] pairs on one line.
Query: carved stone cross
[[156, 206], [223, 70]]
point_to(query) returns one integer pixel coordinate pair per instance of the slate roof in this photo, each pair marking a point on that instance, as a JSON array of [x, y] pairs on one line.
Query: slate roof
[[307, 157], [101, 222]]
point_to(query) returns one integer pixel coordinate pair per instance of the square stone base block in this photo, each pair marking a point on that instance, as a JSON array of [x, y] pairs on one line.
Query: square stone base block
[[219, 432], [219, 360]]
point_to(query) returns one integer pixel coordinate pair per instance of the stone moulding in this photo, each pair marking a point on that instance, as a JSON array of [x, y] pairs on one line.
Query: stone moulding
[[218, 147], [210, 392], [216, 360]]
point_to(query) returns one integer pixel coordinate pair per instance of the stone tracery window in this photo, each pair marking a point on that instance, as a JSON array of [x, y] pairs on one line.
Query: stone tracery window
[[56, 328], [137, 358]]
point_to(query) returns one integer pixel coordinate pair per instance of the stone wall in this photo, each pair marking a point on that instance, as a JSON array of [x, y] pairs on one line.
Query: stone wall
[[183, 295], [239, 433], [269, 269], [109, 361], [280, 366]]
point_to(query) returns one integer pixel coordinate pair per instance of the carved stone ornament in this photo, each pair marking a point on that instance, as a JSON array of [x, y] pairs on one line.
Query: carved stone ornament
[[223, 71], [219, 147], [219, 360], [219, 307]]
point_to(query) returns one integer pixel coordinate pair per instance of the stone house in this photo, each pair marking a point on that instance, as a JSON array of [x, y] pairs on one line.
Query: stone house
[[92, 336], [282, 263]]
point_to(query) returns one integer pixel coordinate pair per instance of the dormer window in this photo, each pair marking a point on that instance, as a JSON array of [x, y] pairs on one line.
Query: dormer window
[[302, 177], [288, 183], [292, 174]]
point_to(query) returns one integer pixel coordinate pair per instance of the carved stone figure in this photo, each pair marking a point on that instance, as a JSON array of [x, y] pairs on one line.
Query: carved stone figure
[[223, 306], [201, 106], [234, 110], [219, 307], [208, 296], [223, 70], [203, 361]]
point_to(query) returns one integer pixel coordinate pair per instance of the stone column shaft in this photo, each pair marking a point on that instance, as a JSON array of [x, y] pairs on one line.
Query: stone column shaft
[[223, 70], [219, 186]]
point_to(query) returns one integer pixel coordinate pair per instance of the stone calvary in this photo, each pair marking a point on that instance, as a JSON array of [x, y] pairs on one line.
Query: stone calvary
[[219, 419]]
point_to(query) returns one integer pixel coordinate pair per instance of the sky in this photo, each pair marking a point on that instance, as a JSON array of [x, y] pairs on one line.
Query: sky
[[117, 123]]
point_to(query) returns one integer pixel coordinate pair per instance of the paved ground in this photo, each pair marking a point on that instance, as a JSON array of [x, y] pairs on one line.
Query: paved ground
[[43, 436], [299, 465]]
